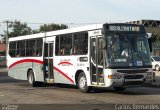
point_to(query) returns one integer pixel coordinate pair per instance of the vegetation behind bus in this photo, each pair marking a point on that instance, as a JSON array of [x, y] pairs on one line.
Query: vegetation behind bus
[[17, 28]]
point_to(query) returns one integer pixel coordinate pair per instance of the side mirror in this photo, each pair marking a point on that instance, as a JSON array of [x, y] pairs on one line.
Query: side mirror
[[150, 43], [149, 36], [103, 43]]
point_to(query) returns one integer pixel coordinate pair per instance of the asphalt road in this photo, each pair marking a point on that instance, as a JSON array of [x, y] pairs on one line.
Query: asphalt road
[[15, 93]]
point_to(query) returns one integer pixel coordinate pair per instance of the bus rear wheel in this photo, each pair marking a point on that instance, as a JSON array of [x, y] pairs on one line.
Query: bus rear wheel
[[31, 78], [82, 83]]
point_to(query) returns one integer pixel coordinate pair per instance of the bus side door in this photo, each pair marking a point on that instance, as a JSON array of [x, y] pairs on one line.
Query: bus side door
[[48, 60], [96, 64]]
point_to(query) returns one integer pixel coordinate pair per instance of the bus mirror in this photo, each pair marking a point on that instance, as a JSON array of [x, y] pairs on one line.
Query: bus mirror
[[150, 43], [149, 36], [104, 43]]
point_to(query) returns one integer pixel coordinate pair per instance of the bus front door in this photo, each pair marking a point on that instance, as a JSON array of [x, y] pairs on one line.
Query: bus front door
[[96, 64], [48, 62]]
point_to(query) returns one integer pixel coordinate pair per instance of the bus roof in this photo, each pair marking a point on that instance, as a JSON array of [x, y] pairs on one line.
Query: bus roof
[[67, 31], [58, 32]]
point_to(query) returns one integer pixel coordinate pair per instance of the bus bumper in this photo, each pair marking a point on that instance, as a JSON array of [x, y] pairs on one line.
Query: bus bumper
[[125, 82], [131, 82]]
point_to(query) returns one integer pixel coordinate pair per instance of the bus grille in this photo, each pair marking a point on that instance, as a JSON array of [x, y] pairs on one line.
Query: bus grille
[[133, 71], [133, 76], [133, 83]]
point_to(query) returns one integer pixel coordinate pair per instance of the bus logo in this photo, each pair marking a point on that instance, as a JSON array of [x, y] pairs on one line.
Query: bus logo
[[65, 63]]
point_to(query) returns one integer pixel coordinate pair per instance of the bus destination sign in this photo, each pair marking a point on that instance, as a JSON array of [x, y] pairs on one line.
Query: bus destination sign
[[124, 28]]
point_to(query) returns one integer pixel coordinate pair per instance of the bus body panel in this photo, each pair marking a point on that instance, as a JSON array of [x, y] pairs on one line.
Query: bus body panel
[[64, 69], [83, 66], [68, 66], [38, 72], [18, 68]]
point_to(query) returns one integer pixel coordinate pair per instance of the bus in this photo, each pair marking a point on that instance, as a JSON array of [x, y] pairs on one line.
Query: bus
[[100, 55]]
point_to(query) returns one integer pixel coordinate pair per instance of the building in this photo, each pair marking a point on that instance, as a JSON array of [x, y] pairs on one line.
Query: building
[[2, 53], [2, 48]]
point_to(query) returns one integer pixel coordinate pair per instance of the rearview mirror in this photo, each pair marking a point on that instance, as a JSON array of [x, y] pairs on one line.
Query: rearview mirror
[[149, 41]]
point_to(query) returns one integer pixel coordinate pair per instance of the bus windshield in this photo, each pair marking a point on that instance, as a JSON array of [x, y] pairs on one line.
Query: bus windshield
[[127, 50]]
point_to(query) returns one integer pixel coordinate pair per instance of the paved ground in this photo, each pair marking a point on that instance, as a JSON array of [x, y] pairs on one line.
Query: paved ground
[[64, 97]]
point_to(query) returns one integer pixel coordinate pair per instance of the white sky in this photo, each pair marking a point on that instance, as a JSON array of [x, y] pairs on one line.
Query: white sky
[[78, 11]]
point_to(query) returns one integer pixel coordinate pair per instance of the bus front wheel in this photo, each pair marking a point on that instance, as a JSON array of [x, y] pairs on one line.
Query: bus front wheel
[[82, 83], [31, 78]]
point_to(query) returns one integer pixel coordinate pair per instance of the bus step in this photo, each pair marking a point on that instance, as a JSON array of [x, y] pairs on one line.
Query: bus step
[[50, 81]]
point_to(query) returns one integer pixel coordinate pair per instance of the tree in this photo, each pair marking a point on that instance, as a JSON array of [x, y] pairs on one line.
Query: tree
[[52, 27], [16, 28], [155, 37]]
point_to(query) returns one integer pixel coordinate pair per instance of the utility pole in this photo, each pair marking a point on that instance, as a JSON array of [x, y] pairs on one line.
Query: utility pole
[[7, 26]]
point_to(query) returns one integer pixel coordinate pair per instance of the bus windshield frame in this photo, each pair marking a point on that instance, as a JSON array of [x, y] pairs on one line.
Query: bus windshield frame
[[126, 49]]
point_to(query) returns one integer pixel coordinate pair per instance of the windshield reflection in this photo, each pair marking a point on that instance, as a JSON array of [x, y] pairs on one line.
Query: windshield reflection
[[127, 50]]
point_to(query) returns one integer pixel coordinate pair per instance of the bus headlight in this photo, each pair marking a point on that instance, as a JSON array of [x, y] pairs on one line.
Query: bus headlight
[[110, 76], [115, 76]]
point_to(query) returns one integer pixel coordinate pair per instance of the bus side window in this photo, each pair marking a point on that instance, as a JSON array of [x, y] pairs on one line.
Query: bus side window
[[18, 53], [64, 44], [39, 43], [12, 49], [81, 43], [72, 44], [62, 51], [30, 48], [20, 48], [57, 48]]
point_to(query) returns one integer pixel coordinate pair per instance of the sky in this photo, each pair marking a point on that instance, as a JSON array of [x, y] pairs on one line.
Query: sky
[[77, 12]]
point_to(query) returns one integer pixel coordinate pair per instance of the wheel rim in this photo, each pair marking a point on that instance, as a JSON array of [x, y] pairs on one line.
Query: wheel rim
[[30, 79], [82, 82]]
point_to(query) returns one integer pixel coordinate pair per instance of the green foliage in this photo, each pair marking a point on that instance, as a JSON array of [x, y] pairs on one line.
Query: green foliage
[[17, 28], [35, 31], [52, 27], [155, 37]]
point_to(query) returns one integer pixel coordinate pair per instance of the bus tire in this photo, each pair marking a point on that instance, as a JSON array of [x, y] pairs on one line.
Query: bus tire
[[82, 83], [119, 88], [31, 78]]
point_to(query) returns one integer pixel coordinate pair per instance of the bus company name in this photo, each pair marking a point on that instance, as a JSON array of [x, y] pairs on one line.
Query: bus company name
[[65, 62], [97, 32], [123, 28]]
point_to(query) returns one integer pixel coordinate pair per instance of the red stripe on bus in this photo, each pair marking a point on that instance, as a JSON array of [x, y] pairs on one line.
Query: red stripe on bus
[[25, 60], [65, 63], [63, 74], [40, 62]]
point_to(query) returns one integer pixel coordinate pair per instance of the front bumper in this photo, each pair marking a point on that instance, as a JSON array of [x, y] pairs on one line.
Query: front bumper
[[131, 82]]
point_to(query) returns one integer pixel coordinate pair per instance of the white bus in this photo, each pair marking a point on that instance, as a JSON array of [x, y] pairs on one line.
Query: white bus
[[103, 55]]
